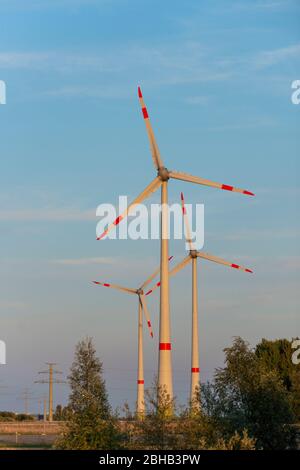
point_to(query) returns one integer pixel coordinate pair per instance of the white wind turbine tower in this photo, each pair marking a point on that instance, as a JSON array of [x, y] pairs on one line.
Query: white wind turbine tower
[[165, 381], [192, 257], [142, 307]]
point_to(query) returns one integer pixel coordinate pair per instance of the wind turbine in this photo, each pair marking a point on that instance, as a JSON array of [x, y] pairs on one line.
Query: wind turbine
[[192, 257], [142, 307], [165, 381]]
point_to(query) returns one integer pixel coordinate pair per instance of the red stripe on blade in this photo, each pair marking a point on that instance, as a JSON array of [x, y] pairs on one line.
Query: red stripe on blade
[[195, 369], [236, 266], [249, 193], [118, 220], [165, 346], [171, 257], [149, 292], [103, 235], [248, 271], [106, 285], [149, 323], [140, 92], [226, 187], [145, 113]]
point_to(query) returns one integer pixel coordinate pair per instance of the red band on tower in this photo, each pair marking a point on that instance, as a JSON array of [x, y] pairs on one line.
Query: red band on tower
[[165, 346], [195, 369]]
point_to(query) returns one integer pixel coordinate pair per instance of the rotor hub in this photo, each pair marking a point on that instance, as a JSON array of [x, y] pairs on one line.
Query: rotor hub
[[163, 173], [140, 291], [193, 253]]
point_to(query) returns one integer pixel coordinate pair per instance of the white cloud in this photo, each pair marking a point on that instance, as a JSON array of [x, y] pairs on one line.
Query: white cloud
[[287, 234], [42, 4], [275, 56], [187, 62], [21, 60], [51, 215], [262, 4], [197, 100], [84, 261], [263, 121]]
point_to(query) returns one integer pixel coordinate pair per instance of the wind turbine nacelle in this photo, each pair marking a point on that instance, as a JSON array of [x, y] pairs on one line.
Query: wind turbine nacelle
[[163, 173]]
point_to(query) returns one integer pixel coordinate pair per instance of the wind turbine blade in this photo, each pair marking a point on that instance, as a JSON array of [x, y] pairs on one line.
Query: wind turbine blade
[[196, 179], [180, 265], [115, 286], [146, 313], [156, 272], [153, 145], [156, 183], [218, 260], [187, 225], [174, 271]]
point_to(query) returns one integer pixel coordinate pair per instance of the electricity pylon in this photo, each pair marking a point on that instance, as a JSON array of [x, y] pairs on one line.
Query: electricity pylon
[[42, 406], [51, 372], [26, 395]]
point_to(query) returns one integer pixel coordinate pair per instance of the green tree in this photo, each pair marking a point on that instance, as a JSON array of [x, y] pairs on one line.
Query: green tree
[[277, 355], [62, 413], [201, 431], [248, 395], [91, 424], [157, 429]]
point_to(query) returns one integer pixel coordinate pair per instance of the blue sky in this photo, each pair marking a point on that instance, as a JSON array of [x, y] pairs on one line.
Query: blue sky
[[216, 77]]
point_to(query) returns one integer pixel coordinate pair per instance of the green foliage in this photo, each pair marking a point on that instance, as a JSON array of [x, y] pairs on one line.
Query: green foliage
[[248, 395], [11, 416], [249, 405], [185, 430], [91, 424], [62, 413], [24, 417], [7, 416], [277, 355], [157, 429]]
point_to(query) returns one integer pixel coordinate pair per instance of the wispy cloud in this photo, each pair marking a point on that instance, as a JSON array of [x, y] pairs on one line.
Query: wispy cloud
[[197, 100], [275, 56], [22, 60], [259, 122], [42, 4], [261, 4], [187, 62], [51, 215], [57, 61], [284, 234], [102, 92], [84, 261]]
